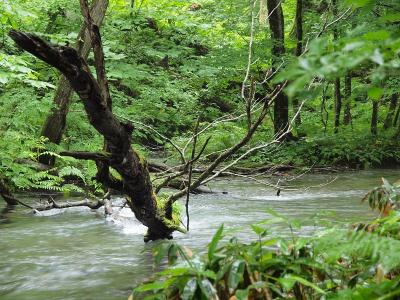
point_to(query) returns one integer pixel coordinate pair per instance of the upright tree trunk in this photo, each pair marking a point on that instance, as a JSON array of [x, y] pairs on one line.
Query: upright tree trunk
[[396, 116], [374, 117], [276, 24], [397, 135], [392, 107], [347, 96], [263, 13], [54, 126], [132, 8], [299, 49], [338, 96], [103, 168], [338, 104]]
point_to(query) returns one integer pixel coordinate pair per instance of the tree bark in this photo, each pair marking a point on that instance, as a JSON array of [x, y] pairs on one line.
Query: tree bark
[[338, 104], [374, 117], [299, 50], [263, 13], [103, 168], [347, 96], [397, 134], [276, 24], [392, 107], [136, 183], [5, 192], [55, 123], [132, 8], [86, 202], [337, 94], [396, 116]]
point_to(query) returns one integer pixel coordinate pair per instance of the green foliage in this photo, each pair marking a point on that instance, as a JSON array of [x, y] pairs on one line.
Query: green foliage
[[352, 151], [168, 63], [333, 263], [385, 197]]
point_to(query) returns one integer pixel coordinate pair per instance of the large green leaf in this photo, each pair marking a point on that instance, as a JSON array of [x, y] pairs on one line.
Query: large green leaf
[[212, 247], [236, 274], [208, 289], [190, 289]]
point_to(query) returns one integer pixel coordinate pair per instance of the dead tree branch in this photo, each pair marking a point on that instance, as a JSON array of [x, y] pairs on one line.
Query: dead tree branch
[[53, 204], [87, 155]]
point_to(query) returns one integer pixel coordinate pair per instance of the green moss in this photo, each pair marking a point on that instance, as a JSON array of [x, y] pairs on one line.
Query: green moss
[[142, 158], [162, 200]]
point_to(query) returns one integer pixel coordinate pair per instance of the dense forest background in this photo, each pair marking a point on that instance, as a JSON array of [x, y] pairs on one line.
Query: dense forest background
[[188, 91], [169, 62]]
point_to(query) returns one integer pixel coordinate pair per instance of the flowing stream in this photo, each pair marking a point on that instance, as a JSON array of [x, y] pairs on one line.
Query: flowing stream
[[78, 254]]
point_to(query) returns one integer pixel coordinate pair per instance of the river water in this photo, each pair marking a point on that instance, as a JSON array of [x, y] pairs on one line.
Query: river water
[[78, 254]]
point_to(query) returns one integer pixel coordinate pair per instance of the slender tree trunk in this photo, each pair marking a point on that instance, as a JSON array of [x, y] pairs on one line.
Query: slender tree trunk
[[132, 8], [396, 116], [397, 135], [392, 107], [299, 49], [263, 13], [337, 94], [276, 24], [347, 96], [338, 104], [299, 27], [374, 117], [54, 126], [103, 168]]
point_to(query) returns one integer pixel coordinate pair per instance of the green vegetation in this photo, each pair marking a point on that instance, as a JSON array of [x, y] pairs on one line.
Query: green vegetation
[[167, 61], [95, 94], [335, 263]]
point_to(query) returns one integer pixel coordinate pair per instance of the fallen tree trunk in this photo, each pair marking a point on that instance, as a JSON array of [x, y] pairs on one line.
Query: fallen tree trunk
[[135, 182], [86, 202], [7, 195], [5, 192]]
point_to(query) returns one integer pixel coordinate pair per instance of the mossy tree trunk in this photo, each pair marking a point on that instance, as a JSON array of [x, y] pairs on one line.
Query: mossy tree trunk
[[135, 182]]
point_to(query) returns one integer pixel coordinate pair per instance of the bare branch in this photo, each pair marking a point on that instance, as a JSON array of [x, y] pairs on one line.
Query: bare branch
[[190, 171], [181, 153], [184, 168], [250, 52], [87, 155], [328, 24], [229, 152]]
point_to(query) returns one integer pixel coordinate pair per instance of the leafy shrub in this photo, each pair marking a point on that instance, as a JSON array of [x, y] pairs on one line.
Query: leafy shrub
[[340, 150], [333, 263]]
